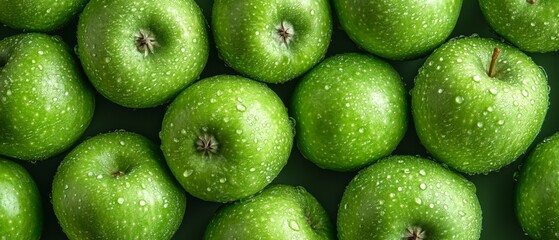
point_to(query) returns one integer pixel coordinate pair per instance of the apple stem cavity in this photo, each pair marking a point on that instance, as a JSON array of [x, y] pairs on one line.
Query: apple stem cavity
[[496, 53], [414, 233], [145, 42], [207, 145], [285, 33], [531, 1]]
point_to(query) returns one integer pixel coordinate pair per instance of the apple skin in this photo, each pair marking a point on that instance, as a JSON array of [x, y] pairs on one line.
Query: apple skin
[[21, 214], [350, 111], [45, 105], [277, 212], [39, 15], [248, 123], [537, 190], [135, 77], [398, 30], [247, 39], [400, 193], [470, 121], [117, 186], [532, 27]]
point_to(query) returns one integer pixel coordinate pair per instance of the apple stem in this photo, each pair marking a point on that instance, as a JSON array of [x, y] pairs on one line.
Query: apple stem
[[118, 174], [207, 144], [531, 1], [145, 42], [496, 53]]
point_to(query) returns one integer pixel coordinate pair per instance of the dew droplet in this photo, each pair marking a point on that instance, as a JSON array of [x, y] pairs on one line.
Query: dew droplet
[[186, 173], [223, 180], [479, 124], [459, 99], [66, 186], [477, 78], [122, 143], [422, 172], [418, 200], [440, 90], [120, 200], [327, 87], [142, 203], [294, 225], [241, 107], [524, 93], [422, 186], [252, 169], [361, 130], [399, 189], [493, 91]]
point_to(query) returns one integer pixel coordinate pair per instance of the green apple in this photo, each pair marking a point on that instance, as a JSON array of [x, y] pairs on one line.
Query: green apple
[[21, 215], [272, 40], [39, 15], [45, 105], [475, 109], [398, 30], [537, 191], [350, 111], [405, 197], [278, 212], [226, 137], [117, 186], [532, 25], [141, 54]]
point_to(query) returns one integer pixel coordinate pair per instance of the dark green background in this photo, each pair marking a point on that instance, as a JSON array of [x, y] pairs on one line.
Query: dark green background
[[495, 190]]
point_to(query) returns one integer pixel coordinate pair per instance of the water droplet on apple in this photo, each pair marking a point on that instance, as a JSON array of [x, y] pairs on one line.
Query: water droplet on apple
[[418, 200], [361, 130], [142, 203], [490, 109], [41, 52], [90, 174], [524, 93], [462, 213], [479, 124], [440, 90], [422, 172], [186, 173], [477, 78], [107, 59], [120, 200], [212, 100], [431, 205], [241, 107], [165, 205], [327, 87], [459, 99], [312, 12], [406, 171], [99, 176], [422, 186], [294, 225], [459, 60], [252, 169], [66, 186], [493, 91], [391, 195], [122, 143], [399, 189], [223, 180]]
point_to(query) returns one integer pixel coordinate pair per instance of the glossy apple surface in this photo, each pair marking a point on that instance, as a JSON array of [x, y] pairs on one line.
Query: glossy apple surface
[[117, 186], [470, 120], [404, 197]]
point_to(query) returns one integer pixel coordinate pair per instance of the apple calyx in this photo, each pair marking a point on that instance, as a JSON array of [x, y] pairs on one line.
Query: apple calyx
[[285, 33], [414, 233], [207, 145], [145, 42], [494, 58], [118, 174]]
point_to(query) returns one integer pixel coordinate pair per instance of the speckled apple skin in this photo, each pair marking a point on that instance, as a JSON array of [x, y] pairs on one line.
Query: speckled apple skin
[[90, 203], [399, 192], [122, 73], [537, 191], [247, 40], [45, 105], [350, 110], [278, 212], [470, 121], [532, 27], [398, 30], [21, 213], [39, 15], [251, 125]]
